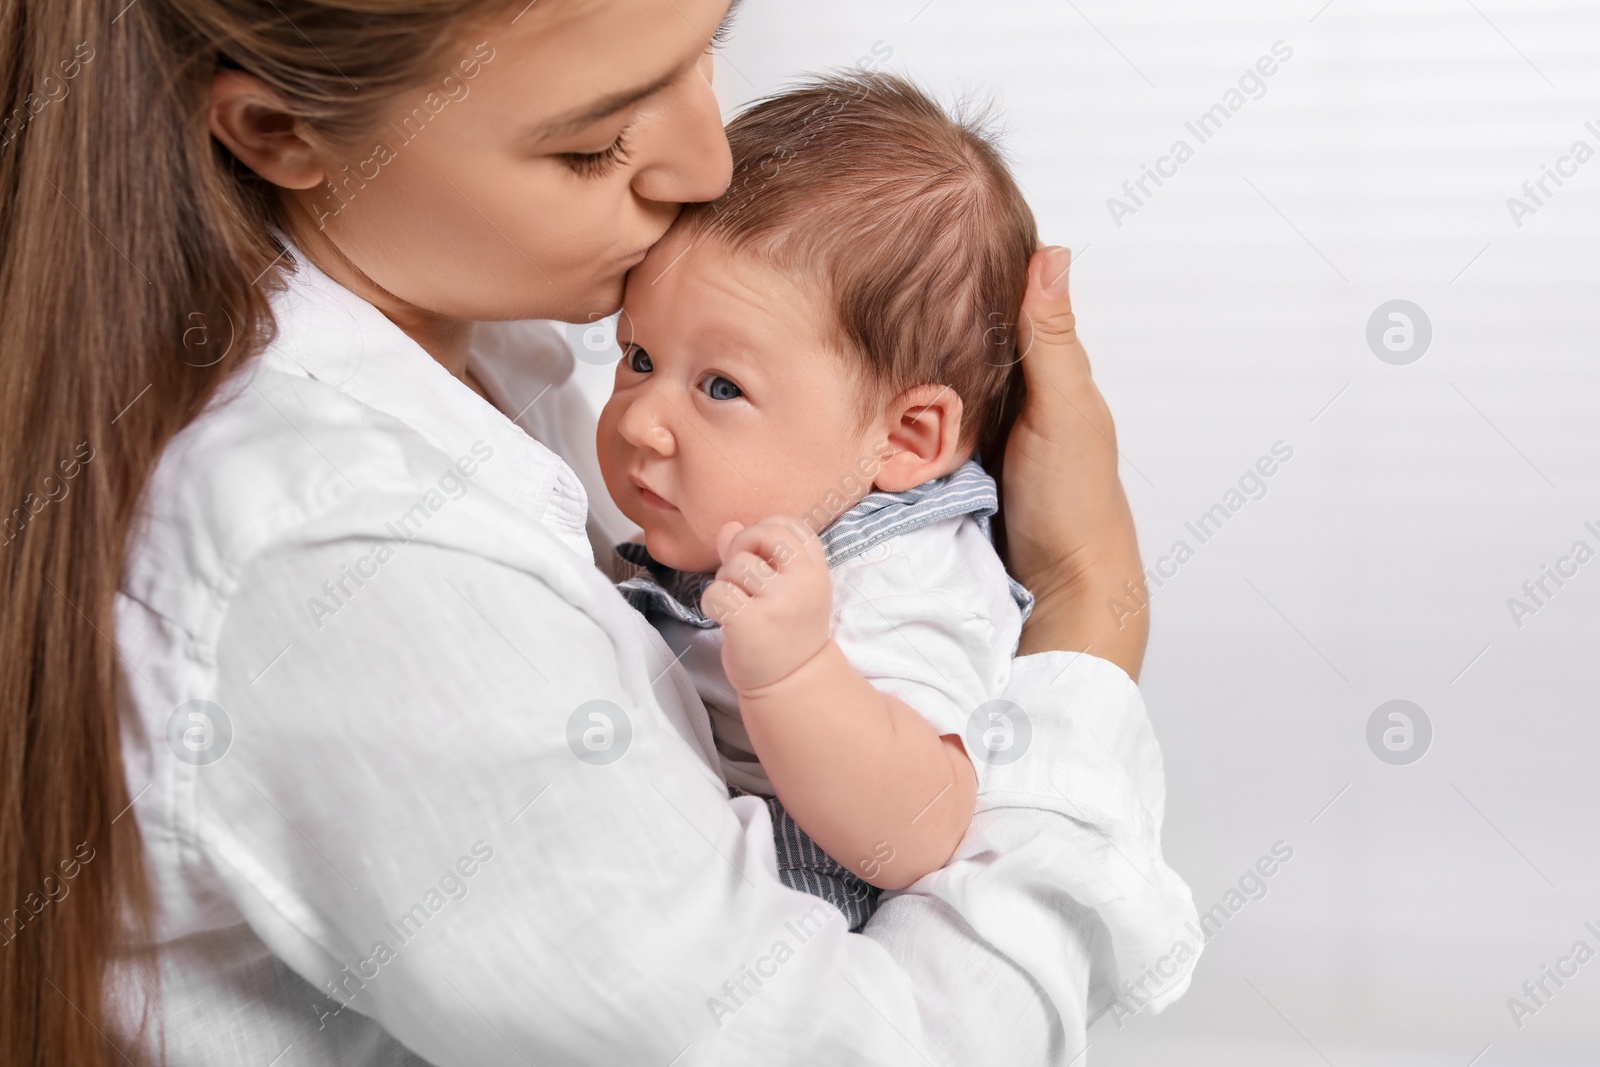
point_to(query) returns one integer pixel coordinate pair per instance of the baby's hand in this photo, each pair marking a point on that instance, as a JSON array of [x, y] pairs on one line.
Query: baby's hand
[[773, 597]]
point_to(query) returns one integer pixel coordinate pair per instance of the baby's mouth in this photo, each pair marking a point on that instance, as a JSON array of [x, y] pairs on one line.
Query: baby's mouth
[[650, 496]]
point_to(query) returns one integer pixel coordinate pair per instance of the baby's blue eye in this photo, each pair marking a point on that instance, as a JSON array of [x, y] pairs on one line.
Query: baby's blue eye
[[720, 388], [639, 360]]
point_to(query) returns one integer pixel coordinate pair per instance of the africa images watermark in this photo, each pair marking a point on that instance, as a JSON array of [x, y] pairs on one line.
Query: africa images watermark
[[740, 195], [52, 90], [851, 486], [1251, 486], [1537, 592], [339, 192], [741, 989], [1136, 994], [53, 889], [1536, 992], [49, 493], [456, 481], [1202, 128], [453, 886], [1536, 192]]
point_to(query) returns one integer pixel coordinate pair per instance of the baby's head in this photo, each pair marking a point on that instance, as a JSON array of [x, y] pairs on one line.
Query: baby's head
[[842, 319]]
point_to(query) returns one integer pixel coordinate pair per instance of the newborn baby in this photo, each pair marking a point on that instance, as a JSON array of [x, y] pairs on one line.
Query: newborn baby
[[810, 364]]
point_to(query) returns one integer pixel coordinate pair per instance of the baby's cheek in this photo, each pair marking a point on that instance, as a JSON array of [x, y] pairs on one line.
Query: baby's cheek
[[708, 522], [606, 438], [613, 473], [698, 537]]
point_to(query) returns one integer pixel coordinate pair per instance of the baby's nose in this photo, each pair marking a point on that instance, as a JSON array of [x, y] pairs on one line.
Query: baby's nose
[[660, 438], [642, 427]]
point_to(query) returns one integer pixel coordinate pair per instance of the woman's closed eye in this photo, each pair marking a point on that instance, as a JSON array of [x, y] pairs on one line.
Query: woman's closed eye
[[596, 164], [639, 360], [719, 388]]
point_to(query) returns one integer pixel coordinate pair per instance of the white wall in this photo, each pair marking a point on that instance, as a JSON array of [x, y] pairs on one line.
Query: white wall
[[1224, 316]]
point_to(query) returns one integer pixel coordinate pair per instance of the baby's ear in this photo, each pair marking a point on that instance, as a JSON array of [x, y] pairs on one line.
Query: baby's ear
[[923, 428]]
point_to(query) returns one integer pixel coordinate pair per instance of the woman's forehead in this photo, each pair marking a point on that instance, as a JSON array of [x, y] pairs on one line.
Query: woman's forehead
[[575, 63]]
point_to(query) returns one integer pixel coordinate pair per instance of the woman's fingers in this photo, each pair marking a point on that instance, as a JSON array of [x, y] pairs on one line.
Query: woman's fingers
[[1068, 531], [1054, 363], [1047, 317], [1061, 459]]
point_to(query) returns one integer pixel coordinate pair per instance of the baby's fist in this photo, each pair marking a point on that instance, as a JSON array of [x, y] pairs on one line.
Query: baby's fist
[[773, 597]]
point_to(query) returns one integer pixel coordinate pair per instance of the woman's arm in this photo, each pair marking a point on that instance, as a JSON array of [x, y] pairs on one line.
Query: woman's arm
[[1068, 530]]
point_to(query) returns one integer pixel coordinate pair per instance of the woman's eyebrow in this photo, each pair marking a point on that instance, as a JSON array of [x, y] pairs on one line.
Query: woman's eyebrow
[[606, 106]]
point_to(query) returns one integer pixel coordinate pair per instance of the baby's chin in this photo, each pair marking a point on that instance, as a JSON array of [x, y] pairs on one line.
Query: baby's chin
[[680, 552]]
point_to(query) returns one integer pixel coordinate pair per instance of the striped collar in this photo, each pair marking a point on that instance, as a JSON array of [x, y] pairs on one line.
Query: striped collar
[[661, 590]]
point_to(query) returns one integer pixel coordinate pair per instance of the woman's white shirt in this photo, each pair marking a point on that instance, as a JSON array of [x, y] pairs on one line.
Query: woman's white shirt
[[415, 782]]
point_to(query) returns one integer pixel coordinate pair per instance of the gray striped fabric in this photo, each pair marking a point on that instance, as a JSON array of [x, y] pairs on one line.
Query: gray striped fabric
[[660, 590], [804, 866]]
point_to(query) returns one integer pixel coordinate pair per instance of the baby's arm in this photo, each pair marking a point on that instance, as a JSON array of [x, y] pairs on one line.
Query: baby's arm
[[868, 778]]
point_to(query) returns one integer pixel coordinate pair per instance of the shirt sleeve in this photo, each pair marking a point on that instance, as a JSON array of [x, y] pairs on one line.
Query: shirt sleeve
[[1069, 813], [450, 805], [930, 632], [1071, 784]]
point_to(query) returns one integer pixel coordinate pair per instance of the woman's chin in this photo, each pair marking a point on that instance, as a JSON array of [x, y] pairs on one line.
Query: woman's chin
[[602, 302]]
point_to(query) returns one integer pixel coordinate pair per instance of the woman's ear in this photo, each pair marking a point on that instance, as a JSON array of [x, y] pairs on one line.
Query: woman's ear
[[252, 122], [924, 429]]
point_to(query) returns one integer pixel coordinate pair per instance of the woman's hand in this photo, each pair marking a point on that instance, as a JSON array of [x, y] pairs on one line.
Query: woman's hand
[[1068, 531]]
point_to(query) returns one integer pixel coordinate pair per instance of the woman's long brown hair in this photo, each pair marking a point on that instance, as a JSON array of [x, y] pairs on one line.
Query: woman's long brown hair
[[134, 257]]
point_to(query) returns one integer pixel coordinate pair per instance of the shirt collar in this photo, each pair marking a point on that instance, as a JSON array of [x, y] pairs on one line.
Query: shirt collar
[[880, 515], [327, 333]]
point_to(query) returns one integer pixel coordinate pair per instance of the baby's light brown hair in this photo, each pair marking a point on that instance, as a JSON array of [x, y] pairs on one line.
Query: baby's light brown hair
[[903, 216]]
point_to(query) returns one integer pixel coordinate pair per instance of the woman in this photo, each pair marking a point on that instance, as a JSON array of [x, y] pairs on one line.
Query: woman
[[467, 810]]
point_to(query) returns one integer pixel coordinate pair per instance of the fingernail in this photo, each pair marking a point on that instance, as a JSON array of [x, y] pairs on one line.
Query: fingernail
[[1057, 265]]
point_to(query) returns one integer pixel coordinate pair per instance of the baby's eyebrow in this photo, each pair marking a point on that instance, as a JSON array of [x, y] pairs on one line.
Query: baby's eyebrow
[[727, 343]]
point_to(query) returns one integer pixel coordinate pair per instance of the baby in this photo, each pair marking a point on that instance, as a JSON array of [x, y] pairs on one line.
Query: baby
[[810, 364]]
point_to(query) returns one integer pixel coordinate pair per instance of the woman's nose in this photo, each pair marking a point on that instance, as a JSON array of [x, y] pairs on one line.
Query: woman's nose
[[642, 426], [691, 160]]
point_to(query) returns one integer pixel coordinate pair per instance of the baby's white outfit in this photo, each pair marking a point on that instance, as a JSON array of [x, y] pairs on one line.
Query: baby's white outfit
[[922, 608]]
